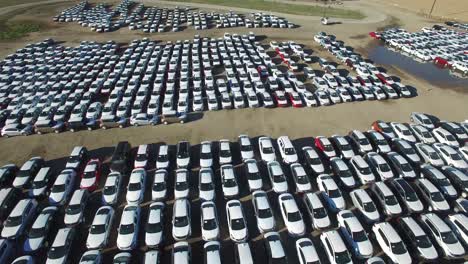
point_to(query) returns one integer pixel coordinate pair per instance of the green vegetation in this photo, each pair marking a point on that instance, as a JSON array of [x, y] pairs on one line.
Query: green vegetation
[[17, 29], [287, 8]]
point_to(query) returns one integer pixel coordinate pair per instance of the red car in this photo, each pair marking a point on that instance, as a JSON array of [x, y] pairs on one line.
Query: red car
[[91, 175], [295, 99], [384, 78], [324, 144], [280, 98]]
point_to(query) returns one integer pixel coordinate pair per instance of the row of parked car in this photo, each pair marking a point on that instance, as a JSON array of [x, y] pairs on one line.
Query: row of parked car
[[47, 87], [407, 185], [368, 74], [101, 18], [443, 46]]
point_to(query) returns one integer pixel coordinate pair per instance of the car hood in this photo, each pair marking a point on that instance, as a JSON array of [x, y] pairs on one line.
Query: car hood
[[239, 235], [247, 155], [133, 197], [455, 249], [95, 240], [153, 239], [321, 223], [86, 183], [72, 165], [297, 228], [71, 219], [10, 232], [56, 197], [205, 163], [269, 157], [207, 195], [183, 162], [20, 181], [429, 253], [109, 198], [280, 187], [230, 191], [255, 184], [124, 241], [33, 244], [266, 224], [162, 165], [158, 195], [181, 232], [57, 261], [365, 248], [181, 194]]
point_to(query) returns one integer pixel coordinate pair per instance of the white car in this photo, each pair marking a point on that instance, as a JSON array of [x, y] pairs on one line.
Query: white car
[[136, 186], [331, 193], [206, 188], [154, 225], [61, 247], [112, 188], [40, 183], [277, 177], [181, 184], [418, 238], [266, 149], [386, 198], [429, 154], [75, 209], [63, 187], [443, 235], [317, 211], [300, 178], [254, 178], [440, 180], [403, 132], [123, 258], [159, 188], [100, 229], [212, 252], [183, 154], [450, 156], [246, 148], [313, 160], [423, 134], [274, 249], [458, 223], [206, 155], [366, 206], [380, 143], [93, 256], [292, 217], [27, 171], [142, 156], [127, 234], [209, 221], [401, 166], [37, 235], [263, 212], [362, 170], [355, 234], [445, 137], [181, 253], [335, 248], [380, 166], [432, 195], [287, 151], [162, 159], [225, 156], [236, 222], [229, 181], [391, 243], [306, 252], [181, 220]]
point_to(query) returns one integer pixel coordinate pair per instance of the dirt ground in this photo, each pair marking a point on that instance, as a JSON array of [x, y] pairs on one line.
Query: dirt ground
[[446, 102]]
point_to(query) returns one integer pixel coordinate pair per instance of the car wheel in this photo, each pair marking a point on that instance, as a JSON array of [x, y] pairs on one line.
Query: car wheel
[[90, 128], [136, 124], [120, 126], [165, 122], [56, 131], [104, 127], [39, 132], [5, 135], [72, 130], [182, 121]]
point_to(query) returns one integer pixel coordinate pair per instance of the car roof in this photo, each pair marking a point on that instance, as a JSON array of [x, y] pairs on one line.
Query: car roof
[[243, 249], [142, 149], [76, 150], [428, 185], [61, 236], [437, 222], [208, 210], [413, 225], [276, 248], [101, 215], [383, 188], [359, 161], [390, 233], [180, 207], [335, 240], [77, 196]]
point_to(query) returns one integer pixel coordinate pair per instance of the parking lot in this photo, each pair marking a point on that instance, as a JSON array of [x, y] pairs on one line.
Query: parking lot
[[255, 237]]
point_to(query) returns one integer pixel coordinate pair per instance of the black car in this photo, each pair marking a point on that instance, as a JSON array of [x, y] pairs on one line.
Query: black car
[[9, 197], [7, 173], [407, 150], [120, 161]]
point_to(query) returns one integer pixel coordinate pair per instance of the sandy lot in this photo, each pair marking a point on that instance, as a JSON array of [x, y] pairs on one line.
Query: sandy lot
[[446, 102]]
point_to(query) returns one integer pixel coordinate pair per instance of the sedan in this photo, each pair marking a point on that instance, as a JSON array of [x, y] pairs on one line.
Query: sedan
[[100, 229], [154, 225], [277, 177], [209, 221], [236, 221], [112, 188], [355, 234], [39, 232], [292, 217], [91, 175], [127, 234], [136, 186], [263, 212]]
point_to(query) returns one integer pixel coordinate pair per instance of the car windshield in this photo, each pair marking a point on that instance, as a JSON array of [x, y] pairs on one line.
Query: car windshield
[[56, 252], [423, 241], [342, 257], [127, 229], [334, 193], [209, 224], [180, 221], [390, 200], [237, 224], [141, 157], [109, 190], [437, 197], [360, 236], [302, 179], [230, 183], [58, 188], [154, 227], [384, 167], [225, 153], [39, 184], [181, 186], [136, 186], [97, 229], [89, 258], [319, 212], [160, 186], [268, 150], [455, 156], [73, 209], [74, 159], [365, 170], [289, 151], [162, 158], [398, 248], [294, 216], [89, 175], [264, 213], [448, 237], [369, 207], [37, 232], [327, 147]]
